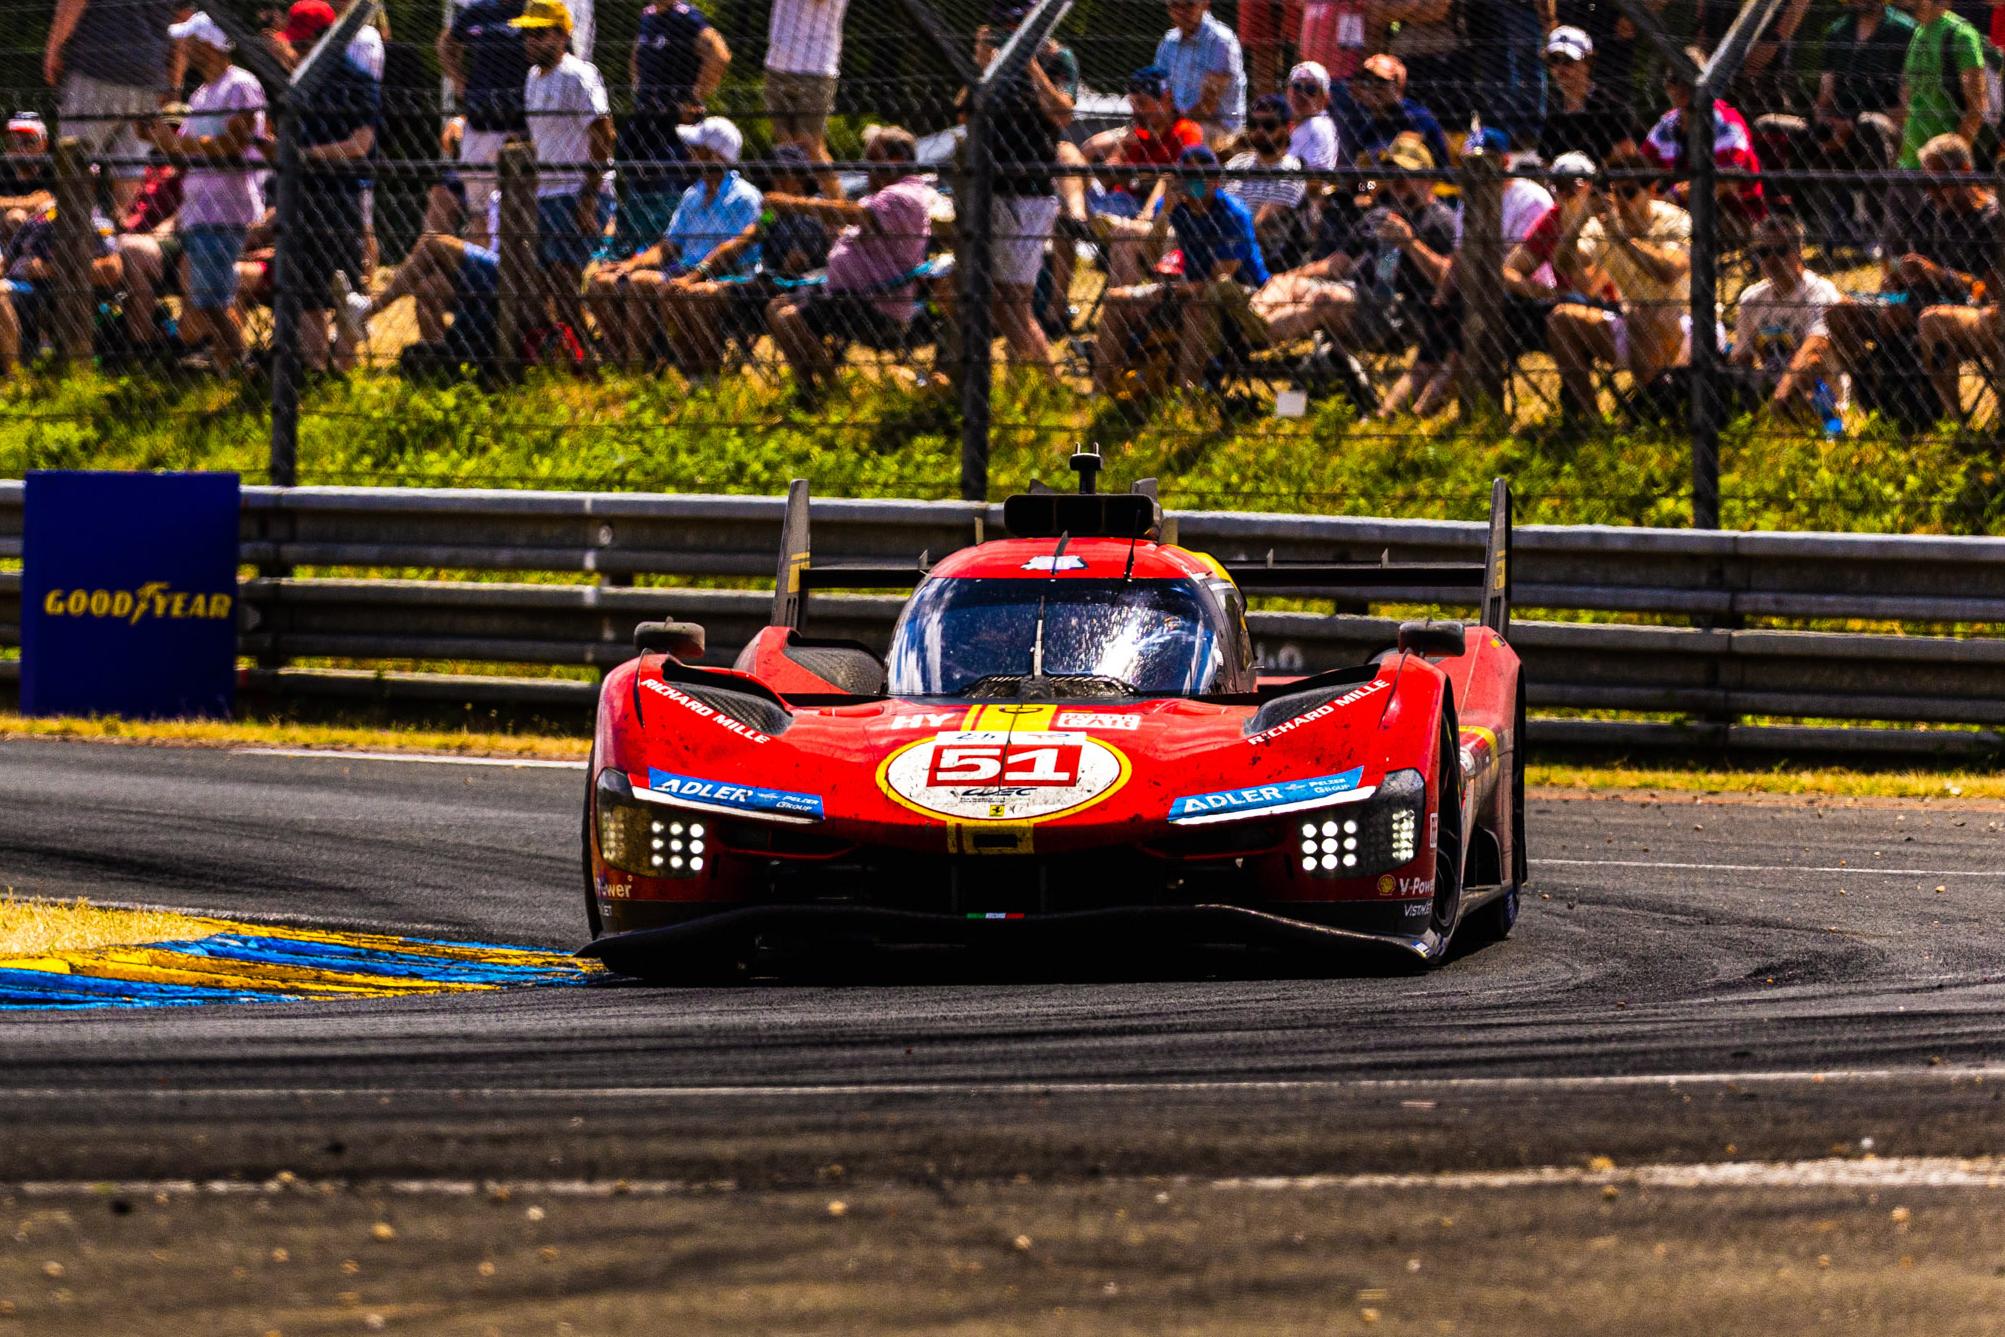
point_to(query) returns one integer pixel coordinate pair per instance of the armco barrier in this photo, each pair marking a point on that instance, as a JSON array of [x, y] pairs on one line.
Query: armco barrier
[[1718, 658]]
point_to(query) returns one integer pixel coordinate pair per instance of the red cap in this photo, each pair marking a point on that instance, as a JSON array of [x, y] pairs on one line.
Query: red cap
[[306, 21]]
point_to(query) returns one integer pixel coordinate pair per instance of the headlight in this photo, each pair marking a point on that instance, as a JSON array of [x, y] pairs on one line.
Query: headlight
[[1359, 839], [648, 838]]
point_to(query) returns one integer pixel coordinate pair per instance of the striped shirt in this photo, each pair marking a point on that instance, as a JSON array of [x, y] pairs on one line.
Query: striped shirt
[[1258, 190]]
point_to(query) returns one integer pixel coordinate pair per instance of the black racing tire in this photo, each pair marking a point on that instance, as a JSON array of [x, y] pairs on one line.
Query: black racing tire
[[1448, 843], [592, 919], [1494, 922], [714, 965]]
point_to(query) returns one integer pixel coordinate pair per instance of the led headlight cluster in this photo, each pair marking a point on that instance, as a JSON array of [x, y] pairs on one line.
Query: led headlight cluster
[[1360, 839], [649, 839]]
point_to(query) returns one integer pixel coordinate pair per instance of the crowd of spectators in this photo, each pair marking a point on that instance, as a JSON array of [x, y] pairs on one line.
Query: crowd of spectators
[[1285, 175]]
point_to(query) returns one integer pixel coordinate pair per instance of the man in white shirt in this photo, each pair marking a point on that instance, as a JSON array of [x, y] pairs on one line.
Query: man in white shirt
[[803, 57], [1780, 333], [1314, 138], [571, 128]]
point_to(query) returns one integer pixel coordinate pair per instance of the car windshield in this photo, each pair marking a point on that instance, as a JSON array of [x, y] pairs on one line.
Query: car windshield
[[1150, 636]]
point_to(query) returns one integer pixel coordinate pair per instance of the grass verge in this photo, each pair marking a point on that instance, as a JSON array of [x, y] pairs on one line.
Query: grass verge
[[43, 928]]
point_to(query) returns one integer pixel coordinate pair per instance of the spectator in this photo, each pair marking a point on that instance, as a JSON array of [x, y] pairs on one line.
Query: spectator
[[1581, 115], [1935, 256], [1313, 141], [482, 57], [1426, 38], [304, 25], [1640, 245], [1221, 266], [1333, 35], [871, 267], [674, 279], [803, 57], [1506, 40], [1280, 219], [1535, 276], [220, 198], [1061, 69], [1780, 333], [1373, 109], [112, 65], [1207, 77], [1155, 138], [1739, 196], [1400, 253], [1611, 38], [1951, 336], [677, 65], [1027, 116], [1265, 26], [336, 134], [1942, 80], [27, 178], [1856, 123], [788, 248], [571, 127]]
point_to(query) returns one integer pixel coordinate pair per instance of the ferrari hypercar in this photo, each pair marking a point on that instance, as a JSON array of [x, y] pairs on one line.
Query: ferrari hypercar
[[1068, 732]]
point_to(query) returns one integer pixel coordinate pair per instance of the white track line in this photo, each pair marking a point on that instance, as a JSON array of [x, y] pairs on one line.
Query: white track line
[[1770, 868], [1841, 1173], [1332, 1085], [425, 758]]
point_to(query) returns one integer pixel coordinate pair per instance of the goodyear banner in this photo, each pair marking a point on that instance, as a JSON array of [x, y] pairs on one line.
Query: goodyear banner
[[128, 594]]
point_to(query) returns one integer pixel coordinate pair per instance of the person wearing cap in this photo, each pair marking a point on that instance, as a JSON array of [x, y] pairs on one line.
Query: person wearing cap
[[336, 131], [1124, 204], [1530, 276], [673, 281], [1641, 246], [220, 199], [869, 292], [1221, 264], [803, 61], [481, 54], [571, 129], [789, 248], [1276, 201], [678, 62], [1427, 38], [112, 63], [1372, 109], [27, 177], [1206, 73], [1740, 197], [1581, 116], [1314, 138]]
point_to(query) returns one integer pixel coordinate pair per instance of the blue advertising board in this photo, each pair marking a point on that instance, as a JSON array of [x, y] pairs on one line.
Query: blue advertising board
[[129, 594]]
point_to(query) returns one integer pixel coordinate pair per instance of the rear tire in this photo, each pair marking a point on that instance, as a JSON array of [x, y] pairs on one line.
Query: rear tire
[[1448, 847], [1494, 922], [592, 920]]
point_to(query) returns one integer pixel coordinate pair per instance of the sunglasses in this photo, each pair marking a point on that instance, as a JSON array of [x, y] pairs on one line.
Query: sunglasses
[[1307, 89]]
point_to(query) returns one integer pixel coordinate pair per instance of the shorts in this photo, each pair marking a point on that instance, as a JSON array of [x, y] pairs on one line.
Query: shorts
[[475, 312], [849, 316], [480, 149], [559, 239], [1269, 22], [799, 105], [1618, 328], [1113, 203], [212, 254], [330, 239], [1019, 225], [101, 116]]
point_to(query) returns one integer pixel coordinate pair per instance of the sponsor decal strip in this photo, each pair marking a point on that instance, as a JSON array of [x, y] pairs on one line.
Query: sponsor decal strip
[[1330, 707], [721, 796], [155, 599], [708, 712], [1269, 800]]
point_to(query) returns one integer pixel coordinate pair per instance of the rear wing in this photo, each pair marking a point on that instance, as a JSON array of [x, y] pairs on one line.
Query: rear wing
[[1489, 580], [798, 575]]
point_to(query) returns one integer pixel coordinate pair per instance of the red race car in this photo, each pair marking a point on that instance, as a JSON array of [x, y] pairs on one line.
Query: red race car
[[1069, 735]]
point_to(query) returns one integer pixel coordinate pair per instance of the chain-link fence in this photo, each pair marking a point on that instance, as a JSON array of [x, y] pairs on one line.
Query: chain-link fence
[[1295, 221]]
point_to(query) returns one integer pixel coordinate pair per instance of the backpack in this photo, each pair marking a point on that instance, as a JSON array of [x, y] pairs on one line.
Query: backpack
[[1994, 80]]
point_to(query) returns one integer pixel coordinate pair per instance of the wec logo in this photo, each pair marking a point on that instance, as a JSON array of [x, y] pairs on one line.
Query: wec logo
[[155, 599]]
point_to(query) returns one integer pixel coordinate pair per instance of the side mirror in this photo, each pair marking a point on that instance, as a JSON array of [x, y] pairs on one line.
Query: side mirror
[[684, 640], [1431, 638]]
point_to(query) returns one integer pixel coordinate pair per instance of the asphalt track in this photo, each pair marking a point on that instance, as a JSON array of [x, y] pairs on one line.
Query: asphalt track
[[1693, 981]]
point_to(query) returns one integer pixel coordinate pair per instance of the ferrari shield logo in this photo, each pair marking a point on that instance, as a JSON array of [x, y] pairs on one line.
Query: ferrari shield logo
[[1003, 776]]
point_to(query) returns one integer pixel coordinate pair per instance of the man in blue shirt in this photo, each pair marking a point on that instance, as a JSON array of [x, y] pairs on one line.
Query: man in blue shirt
[[678, 61], [674, 282], [1221, 264], [1207, 74], [1372, 109]]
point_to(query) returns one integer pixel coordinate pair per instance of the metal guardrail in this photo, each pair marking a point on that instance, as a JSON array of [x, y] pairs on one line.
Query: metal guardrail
[[1716, 668]]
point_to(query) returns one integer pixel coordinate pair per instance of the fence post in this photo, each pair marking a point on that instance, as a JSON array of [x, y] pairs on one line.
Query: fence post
[[975, 245], [516, 286], [1706, 402], [1479, 277], [287, 370], [74, 302]]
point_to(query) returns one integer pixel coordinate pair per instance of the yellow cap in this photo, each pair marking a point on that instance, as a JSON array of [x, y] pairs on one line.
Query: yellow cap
[[1407, 149], [544, 14]]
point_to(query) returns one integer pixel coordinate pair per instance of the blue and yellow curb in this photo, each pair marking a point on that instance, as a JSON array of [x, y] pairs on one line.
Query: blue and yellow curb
[[247, 963]]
